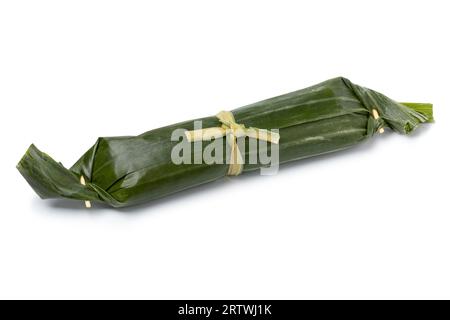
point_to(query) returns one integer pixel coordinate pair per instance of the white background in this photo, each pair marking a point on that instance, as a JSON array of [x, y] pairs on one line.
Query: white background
[[372, 222]]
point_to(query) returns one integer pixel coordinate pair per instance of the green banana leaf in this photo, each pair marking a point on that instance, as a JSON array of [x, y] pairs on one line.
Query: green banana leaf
[[123, 171]]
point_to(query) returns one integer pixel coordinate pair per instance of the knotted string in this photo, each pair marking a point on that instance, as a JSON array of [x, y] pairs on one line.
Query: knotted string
[[235, 131]]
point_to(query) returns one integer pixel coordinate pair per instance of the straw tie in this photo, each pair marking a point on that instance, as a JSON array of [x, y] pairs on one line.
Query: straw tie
[[235, 131]]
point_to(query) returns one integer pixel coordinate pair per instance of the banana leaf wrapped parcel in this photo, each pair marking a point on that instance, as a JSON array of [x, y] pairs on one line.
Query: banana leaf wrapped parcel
[[123, 171]]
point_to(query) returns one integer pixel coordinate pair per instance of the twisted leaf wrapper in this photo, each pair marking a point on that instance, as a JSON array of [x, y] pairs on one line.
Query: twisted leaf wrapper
[[123, 171]]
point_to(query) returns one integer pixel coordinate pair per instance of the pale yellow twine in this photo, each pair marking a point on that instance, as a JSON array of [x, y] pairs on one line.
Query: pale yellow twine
[[376, 116], [87, 203], [235, 131]]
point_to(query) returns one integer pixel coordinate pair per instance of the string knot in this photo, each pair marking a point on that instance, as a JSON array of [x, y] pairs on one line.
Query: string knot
[[234, 130]]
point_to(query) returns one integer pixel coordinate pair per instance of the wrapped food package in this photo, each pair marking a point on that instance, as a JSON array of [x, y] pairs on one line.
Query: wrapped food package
[[128, 170]]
